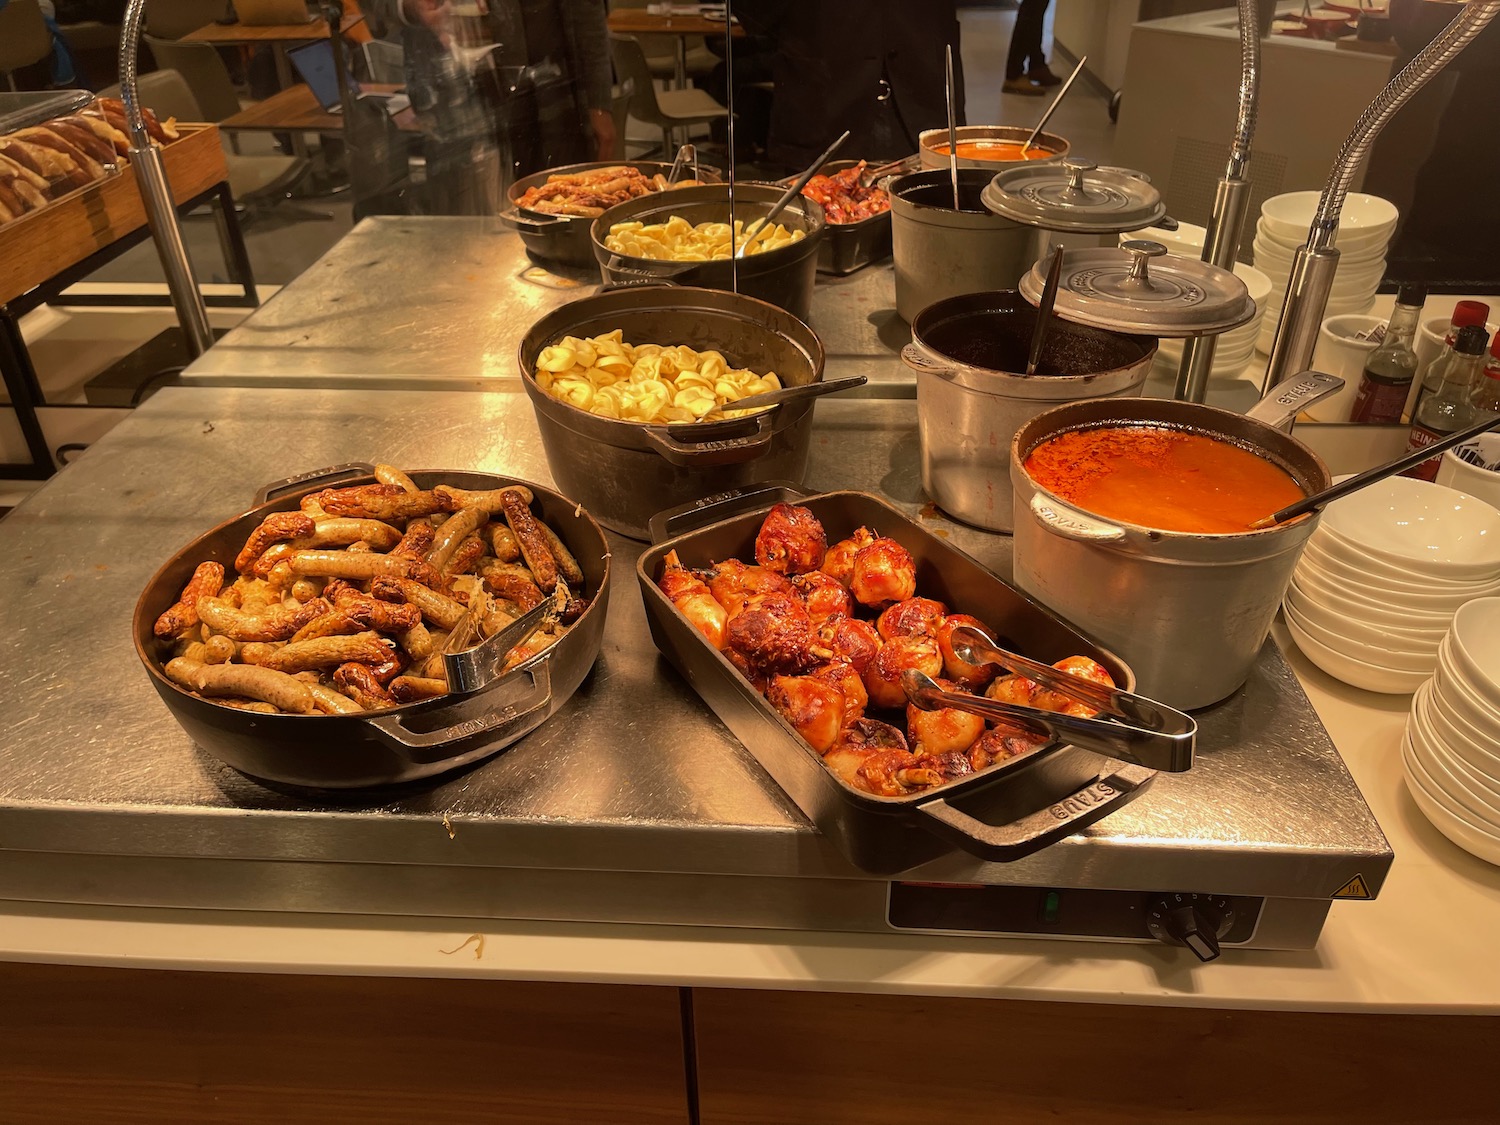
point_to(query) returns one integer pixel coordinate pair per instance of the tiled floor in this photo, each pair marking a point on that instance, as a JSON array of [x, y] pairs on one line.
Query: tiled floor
[[70, 347]]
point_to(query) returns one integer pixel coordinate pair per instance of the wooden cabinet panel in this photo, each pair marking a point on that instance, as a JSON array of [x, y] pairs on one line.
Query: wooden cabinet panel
[[820, 1059], [106, 1046]]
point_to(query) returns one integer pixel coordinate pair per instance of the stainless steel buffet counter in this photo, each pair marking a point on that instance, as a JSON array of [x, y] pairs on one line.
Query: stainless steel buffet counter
[[103, 799], [444, 301]]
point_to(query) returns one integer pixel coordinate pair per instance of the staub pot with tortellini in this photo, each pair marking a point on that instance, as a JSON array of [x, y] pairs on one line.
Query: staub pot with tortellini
[[682, 238], [634, 393]]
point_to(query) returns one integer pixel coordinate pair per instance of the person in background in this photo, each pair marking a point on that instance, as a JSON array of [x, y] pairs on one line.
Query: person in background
[[63, 71], [502, 88], [1026, 70], [874, 68]]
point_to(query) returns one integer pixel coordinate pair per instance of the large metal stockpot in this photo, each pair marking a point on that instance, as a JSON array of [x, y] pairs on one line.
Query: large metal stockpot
[[970, 356], [565, 238], [941, 252], [784, 276], [626, 472], [403, 744], [1188, 612]]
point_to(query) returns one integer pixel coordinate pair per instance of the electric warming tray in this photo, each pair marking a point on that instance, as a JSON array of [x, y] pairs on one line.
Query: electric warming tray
[[1001, 813]]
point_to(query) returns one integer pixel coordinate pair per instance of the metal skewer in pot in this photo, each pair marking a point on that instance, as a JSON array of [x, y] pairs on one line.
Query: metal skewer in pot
[[1056, 101], [951, 92]]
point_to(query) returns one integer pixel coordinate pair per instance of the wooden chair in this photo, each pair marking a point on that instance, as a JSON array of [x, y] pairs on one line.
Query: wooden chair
[[24, 38], [670, 109]]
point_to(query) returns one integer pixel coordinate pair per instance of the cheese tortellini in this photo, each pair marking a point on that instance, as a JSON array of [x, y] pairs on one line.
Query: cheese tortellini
[[677, 240], [646, 382]]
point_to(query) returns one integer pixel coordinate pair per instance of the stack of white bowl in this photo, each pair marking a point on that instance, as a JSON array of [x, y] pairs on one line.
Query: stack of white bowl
[[1452, 747], [1365, 229], [1235, 348], [1382, 577]]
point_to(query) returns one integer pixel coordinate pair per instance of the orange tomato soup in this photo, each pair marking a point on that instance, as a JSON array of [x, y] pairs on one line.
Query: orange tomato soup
[[994, 150], [1162, 478]]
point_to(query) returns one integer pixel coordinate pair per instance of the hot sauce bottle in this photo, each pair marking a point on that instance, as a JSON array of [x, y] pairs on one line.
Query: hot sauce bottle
[[1391, 367], [1448, 409]]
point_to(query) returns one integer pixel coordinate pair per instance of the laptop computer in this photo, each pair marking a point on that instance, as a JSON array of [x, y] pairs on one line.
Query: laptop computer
[[272, 13], [314, 63]]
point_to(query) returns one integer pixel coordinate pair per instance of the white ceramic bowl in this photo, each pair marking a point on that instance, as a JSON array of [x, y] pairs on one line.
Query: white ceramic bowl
[[1475, 646], [1311, 591], [1363, 216], [1373, 582], [1353, 555], [1454, 798], [1424, 611], [1374, 655], [1366, 632], [1453, 774], [1416, 523], [1460, 831], [1457, 734], [1466, 693], [1455, 472], [1355, 672]]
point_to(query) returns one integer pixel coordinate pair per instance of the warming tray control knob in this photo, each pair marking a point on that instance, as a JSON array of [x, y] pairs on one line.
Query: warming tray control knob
[[1196, 921]]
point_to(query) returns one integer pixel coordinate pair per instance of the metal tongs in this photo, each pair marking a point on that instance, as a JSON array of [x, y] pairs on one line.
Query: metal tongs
[[687, 154], [470, 667], [1136, 729]]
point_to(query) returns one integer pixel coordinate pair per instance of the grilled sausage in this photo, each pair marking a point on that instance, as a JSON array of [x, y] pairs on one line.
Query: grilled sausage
[[206, 582]]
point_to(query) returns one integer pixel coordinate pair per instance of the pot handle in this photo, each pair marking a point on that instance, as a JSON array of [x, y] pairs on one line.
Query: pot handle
[[676, 521], [501, 722], [718, 451], [351, 470], [924, 365], [1073, 524], [516, 221], [1290, 397], [1007, 842]]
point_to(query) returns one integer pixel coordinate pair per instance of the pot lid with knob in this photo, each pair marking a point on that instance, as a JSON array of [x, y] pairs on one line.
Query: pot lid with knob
[[1075, 196]]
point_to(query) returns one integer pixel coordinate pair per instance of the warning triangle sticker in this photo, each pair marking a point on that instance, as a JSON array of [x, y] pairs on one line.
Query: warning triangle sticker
[[1354, 888]]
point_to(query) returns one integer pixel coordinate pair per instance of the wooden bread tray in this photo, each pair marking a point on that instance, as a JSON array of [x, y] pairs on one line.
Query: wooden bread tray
[[41, 244]]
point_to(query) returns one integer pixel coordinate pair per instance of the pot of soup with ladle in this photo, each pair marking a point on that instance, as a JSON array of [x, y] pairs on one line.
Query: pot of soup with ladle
[[1132, 521]]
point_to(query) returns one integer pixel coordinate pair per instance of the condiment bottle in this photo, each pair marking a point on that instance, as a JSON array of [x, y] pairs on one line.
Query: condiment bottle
[[1448, 408], [1390, 368], [1486, 396], [1465, 313]]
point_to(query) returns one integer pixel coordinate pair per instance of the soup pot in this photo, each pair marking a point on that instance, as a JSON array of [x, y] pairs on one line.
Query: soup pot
[[970, 354], [931, 139], [565, 238], [625, 472], [1188, 612], [783, 277], [943, 253]]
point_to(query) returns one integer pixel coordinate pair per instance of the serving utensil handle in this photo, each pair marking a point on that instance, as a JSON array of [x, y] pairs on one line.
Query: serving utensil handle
[[1019, 838], [714, 451], [350, 470], [672, 522]]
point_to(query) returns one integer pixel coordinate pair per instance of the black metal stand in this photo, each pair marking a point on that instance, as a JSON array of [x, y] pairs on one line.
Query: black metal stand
[[15, 361]]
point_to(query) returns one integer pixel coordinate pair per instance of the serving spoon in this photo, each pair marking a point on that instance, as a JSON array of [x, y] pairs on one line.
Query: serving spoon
[[1370, 476], [952, 129], [1044, 311], [1058, 97], [787, 196], [783, 395]]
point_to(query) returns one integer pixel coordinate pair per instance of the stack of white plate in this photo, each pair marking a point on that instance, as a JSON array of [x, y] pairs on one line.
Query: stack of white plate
[[1235, 348], [1382, 577], [1365, 229], [1452, 745]]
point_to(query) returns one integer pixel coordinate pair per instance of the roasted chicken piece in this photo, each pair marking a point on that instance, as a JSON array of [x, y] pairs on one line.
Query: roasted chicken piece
[[814, 706], [733, 584], [773, 633], [971, 677], [914, 617], [883, 676], [851, 640], [693, 599], [1001, 743], [867, 755], [838, 563], [843, 676], [883, 572], [823, 596], [945, 730], [1013, 689], [791, 540]]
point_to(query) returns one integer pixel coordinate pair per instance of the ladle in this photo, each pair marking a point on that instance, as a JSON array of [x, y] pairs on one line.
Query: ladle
[[952, 129], [1370, 476], [791, 193], [1077, 70], [797, 394], [1044, 311]]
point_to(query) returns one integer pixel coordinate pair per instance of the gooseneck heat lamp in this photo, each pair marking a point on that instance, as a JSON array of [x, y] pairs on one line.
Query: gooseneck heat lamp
[[156, 194], [1315, 262]]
